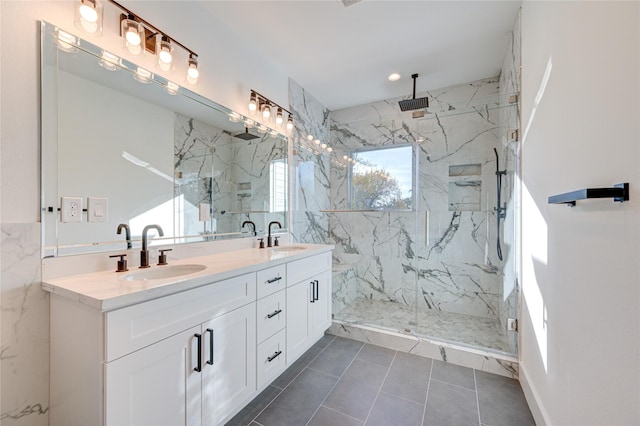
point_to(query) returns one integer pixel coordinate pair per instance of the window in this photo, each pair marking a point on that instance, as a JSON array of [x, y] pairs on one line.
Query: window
[[382, 178], [278, 186]]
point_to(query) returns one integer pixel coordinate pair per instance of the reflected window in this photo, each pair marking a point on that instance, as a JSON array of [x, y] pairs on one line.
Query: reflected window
[[382, 178], [278, 185]]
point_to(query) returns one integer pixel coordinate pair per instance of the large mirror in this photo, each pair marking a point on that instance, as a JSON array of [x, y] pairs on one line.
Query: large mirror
[[140, 153]]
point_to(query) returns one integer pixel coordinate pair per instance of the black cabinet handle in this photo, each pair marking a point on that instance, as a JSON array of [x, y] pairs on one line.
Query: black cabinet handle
[[274, 313], [313, 292], [273, 280], [274, 356], [199, 367], [317, 293], [210, 361]]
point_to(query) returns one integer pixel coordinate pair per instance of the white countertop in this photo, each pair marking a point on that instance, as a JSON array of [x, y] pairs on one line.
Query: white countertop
[[107, 291]]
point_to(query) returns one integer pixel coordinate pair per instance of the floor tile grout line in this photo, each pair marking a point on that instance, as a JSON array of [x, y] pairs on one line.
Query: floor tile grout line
[[426, 398], [475, 382], [336, 383], [339, 412], [380, 389], [454, 385], [292, 380]]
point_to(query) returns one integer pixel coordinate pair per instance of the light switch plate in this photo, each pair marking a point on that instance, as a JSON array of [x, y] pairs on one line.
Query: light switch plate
[[205, 212], [97, 209], [71, 210]]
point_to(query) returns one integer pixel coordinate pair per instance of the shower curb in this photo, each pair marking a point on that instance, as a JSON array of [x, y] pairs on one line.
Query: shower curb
[[491, 362]]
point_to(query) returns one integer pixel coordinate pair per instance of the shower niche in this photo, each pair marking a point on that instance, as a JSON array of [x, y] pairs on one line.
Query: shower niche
[[465, 187]]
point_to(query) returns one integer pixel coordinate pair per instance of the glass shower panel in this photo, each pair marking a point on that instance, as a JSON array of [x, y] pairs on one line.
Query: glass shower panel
[[461, 277], [373, 221]]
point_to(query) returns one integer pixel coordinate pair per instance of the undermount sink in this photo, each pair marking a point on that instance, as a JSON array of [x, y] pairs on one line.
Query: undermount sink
[[162, 272], [288, 248]]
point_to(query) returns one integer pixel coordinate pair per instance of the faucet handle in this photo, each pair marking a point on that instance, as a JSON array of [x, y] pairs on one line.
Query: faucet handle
[[261, 242], [122, 263], [275, 241], [162, 259]]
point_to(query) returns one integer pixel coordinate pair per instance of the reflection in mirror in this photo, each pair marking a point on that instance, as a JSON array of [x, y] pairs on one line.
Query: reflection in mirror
[[156, 157]]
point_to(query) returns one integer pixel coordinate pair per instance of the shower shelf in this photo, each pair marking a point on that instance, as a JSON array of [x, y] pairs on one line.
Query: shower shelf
[[619, 193]]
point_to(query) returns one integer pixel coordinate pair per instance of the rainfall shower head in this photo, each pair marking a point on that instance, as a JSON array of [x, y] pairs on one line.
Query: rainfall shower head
[[246, 135], [413, 104]]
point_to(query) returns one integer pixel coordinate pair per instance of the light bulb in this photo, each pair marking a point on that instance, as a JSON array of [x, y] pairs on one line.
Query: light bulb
[[192, 71], [132, 36], [165, 55], [309, 138], [289, 124], [88, 17], [324, 145], [329, 149], [344, 157], [266, 111], [142, 75], [279, 118], [317, 141], [88, 11], [66, 42], [172, 88], [109, 61]]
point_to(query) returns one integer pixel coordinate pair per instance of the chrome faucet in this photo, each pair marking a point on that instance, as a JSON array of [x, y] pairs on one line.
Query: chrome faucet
[[127, 233], [275, 222], [144, 253], [253, 225]]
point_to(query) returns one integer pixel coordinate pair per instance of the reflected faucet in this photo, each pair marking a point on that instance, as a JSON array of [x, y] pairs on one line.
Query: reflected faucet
[[127, 233], [275, 222], [144, 253], [253, 225]]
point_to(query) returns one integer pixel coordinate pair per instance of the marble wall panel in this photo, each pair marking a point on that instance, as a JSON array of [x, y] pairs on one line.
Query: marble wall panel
[[24, 342], [310, 168]]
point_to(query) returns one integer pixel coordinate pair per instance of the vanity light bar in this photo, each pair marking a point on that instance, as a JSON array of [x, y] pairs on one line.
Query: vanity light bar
[[261, 103], [139, 36]]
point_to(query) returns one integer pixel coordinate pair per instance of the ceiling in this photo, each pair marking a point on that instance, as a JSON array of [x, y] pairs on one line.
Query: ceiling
[[343, 55]]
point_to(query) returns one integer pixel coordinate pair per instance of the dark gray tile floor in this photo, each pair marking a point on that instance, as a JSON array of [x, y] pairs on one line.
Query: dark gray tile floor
[[341, 382]]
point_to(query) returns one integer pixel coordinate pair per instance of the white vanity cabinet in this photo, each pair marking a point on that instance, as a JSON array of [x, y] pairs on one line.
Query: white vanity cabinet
[[308, 302], [183, 359], [194, 356]]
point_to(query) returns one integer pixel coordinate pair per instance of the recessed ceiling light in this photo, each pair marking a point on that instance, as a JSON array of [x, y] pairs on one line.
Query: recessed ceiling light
[[394, 77]]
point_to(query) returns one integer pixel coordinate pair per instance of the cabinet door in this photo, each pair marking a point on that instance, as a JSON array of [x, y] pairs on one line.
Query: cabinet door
[[298, 319], [321, 306], [229, 372], [156, 385]]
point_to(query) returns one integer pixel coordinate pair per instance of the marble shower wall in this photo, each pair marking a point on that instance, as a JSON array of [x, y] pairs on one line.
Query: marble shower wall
[[24, 342], [510, 119], [457, 269], [310, 168], [229, 173]]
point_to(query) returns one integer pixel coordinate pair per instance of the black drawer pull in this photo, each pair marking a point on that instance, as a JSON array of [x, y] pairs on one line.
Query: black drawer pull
[[274, 356], [274, 313], [210, 361], [199, 367], [313, 291], [273, 280]]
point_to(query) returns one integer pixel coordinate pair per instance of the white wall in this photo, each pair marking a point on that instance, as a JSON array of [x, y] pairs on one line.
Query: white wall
[[580, 328]]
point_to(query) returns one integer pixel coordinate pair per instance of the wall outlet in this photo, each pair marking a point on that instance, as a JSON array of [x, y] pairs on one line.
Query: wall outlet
[[97, 209], [512, 324], [71, 209]]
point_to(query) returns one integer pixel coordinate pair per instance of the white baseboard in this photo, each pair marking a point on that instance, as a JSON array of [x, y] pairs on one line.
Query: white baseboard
[[533, 399]]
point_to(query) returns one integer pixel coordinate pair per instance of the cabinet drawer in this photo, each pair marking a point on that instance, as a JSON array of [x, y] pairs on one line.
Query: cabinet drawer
[[271, 315], [305, 268], [271, 358], [271, 280], [134, 327]]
